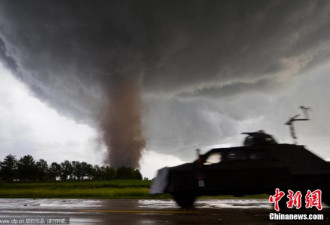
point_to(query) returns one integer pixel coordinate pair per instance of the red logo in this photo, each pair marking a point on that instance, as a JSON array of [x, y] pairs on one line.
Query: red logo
[[294, 199], [276, 198], [312, 199]]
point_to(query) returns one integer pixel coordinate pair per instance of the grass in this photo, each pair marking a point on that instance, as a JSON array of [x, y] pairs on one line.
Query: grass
[[78, 184], [77, 189], [110, 189], [76, 193]]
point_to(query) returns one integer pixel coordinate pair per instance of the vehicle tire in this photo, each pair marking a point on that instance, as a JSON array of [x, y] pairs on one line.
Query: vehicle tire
[[184, 199]]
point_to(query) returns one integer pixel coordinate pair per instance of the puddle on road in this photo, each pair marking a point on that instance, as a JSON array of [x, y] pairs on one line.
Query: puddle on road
[[48, 203], [73, 204], [157, 204], [221, 203], [235, 203]]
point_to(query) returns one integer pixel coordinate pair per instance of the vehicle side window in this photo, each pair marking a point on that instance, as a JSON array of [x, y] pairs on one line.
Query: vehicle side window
[[257, 155], [236, 155], [213, 158]]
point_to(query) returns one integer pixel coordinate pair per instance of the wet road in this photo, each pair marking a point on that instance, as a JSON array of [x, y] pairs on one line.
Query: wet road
[[142, 212]]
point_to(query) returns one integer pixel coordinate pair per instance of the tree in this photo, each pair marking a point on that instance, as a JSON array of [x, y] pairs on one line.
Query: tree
[[54, 171], [26, 168], [66, 170], [42, 170], [9, 168], [98, 173], [76, 170], [137, 175], [84, 170], [90, 172], [125, 173], [128, 173], [110, 173]]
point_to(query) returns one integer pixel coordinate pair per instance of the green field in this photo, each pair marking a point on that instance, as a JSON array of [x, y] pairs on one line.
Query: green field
[[110, 189], [77, 189]]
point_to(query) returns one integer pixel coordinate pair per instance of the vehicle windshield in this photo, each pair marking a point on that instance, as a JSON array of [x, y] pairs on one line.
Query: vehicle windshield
[[237, 155], [234, 155], [213, 158]]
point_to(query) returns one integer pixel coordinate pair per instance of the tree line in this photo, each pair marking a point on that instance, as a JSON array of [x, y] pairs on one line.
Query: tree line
[[27, 169]]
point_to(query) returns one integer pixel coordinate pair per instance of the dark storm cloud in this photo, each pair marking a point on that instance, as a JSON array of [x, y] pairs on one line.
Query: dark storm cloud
[[181, 47], [71, 53]]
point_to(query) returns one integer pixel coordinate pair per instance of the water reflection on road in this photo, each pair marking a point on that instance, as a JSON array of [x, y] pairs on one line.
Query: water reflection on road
[[142, 212], [216, 204]]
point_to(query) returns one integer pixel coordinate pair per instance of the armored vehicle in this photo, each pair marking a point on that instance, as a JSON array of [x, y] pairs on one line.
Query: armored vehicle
[[258, 167]]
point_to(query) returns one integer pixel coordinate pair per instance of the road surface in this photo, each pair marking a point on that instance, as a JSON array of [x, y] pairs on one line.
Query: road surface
[[143, 212]]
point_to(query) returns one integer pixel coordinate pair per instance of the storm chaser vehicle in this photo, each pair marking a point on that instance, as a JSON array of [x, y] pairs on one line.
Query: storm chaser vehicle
[[258, 167]]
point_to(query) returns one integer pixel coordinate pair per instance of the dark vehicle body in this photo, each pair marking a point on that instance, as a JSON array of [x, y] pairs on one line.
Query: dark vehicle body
[[250, 169]]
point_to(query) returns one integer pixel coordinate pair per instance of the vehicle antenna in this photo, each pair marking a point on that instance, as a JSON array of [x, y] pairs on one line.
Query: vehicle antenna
[[295, 118]]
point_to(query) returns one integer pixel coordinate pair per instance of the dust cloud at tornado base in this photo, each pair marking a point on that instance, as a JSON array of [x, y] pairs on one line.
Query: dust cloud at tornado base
[[121, 123]]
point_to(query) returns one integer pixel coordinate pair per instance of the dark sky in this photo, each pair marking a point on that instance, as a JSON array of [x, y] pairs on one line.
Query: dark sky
[[209, 69]]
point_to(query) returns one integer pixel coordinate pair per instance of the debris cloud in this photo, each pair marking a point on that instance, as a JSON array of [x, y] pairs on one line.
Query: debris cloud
[[121, 122]]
